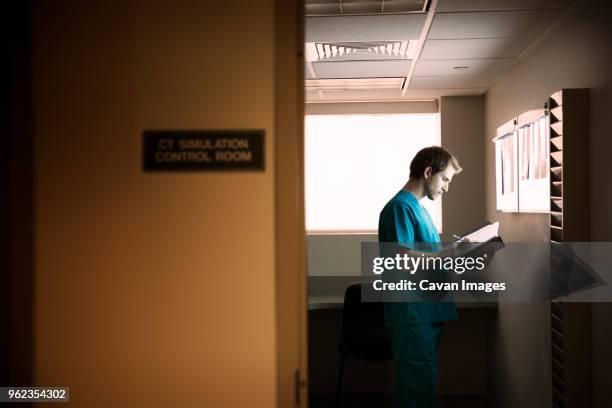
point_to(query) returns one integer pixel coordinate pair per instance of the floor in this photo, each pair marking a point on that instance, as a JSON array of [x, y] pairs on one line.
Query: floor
[[386, 401]]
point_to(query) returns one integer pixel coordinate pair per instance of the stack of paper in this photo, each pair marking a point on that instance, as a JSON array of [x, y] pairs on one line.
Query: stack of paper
[[483, 234]]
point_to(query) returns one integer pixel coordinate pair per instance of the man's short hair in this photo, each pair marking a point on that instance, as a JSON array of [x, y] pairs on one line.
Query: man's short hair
[[435, 157]]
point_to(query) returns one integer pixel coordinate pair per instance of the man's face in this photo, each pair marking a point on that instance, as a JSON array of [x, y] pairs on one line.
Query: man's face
[[437, 184]]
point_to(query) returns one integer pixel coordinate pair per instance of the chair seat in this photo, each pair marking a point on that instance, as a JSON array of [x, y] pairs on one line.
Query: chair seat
[[364, 334]]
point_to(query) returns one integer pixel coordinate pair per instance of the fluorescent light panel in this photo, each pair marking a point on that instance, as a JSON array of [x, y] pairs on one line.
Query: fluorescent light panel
[[353, 84]]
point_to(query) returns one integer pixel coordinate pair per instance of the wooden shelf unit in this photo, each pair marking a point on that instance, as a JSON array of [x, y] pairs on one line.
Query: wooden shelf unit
[[568, 111]]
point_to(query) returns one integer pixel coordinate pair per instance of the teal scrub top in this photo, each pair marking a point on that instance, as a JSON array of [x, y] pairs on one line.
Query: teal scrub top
[[403, 220]]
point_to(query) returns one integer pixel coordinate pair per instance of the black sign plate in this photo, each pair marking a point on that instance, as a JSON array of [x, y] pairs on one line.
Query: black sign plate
[[201, 150]]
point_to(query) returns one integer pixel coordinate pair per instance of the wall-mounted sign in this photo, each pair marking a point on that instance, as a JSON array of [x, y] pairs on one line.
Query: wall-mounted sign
[[198, 150]]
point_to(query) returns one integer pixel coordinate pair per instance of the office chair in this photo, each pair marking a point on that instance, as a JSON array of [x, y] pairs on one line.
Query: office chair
[[364, 334]]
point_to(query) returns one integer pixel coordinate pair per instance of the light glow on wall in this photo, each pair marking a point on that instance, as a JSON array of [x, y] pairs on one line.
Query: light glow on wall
[[355, 163]]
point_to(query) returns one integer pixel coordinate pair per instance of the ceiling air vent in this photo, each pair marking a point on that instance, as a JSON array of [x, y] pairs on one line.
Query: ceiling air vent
[[350, 51], [361, 84], [358, 7]]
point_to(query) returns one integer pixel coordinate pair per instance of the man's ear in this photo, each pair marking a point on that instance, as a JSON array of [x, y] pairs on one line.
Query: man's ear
[[427, 172]]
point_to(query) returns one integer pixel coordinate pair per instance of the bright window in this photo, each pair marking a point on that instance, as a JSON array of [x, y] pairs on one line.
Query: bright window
[[356, 163]]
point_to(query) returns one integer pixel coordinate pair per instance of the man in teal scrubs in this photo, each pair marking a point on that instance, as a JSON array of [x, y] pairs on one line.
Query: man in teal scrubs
[[416, 327]]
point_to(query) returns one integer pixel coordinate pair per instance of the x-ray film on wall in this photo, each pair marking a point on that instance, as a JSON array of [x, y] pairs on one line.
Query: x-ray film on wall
[[522, 162], [534, 179], [506, 173]]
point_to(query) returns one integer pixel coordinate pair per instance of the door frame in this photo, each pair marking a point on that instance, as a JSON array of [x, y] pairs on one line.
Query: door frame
[[290, 239]]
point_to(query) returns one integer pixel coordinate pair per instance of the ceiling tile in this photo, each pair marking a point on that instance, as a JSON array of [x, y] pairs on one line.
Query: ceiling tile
[[474, 48], [361, 8], [452, 81], [322, 9], [382, 27], [525, 23], [362, 69], [474, 67], [488, 5], [403, 6]]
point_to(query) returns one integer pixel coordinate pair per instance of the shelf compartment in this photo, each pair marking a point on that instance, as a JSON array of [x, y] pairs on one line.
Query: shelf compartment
[[557, 368], [558, 352], [557, 112], [557, 257], [556, 143], [556, 189], [557, 97], [558, 384], [556, 173], [556, 219], [555, 262], [557, 324], [556, 234], [558, 398], [557, 159], [557, 337], [556, 204], [557, 309], [557, 127]]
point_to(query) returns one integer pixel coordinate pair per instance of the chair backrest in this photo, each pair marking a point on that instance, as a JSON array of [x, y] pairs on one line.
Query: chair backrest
[[364, 333]]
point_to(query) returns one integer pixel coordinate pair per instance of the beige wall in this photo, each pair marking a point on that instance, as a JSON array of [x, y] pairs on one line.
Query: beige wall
[[577, 54], [152, 289], [336, 255], [461, 122]]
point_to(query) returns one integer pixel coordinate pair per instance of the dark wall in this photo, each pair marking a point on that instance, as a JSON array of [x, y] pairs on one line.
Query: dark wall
[[17, 203]]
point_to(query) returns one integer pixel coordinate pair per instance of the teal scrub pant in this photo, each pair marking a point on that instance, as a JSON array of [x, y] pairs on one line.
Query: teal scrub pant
[[415, 350]]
